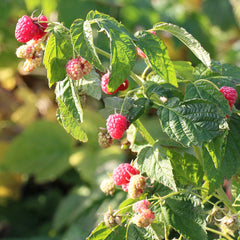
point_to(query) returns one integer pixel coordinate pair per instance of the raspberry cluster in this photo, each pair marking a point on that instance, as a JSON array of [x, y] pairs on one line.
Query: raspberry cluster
[[104, 84], [77, 67], [32, 53], [117, 124], [144, 216], [31, 31], [29, 28]]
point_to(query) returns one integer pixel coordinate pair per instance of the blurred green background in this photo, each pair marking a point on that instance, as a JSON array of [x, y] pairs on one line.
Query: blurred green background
[[49, 183]]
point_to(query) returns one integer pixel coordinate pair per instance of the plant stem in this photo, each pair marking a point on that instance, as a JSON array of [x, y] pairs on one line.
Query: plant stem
[[133, 75], [223, 197], [143, 131], [219, 233]]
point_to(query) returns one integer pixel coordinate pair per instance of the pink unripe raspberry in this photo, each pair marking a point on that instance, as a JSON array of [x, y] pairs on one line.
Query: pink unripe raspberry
[[123, 173], [26, 29], [25, 51], [230, 94], [74, 69], [136, 186], [86, 66], [140, 53], [139, 206], [117, 124], [144, 219], [41, 27], [31, 63], [104, 84]]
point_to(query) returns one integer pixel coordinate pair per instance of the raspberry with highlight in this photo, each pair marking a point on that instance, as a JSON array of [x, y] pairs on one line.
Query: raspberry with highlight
[[144, 219], [26, 29], [104, 83], [25, 51], [117, 124], [136, 186], [123, 86], [107, 186], [74, 68], [139, 206], [123, 173], [41, 27], [230, 94]]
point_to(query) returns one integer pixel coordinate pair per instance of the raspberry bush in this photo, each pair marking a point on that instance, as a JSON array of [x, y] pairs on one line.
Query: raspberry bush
[[181, 167]]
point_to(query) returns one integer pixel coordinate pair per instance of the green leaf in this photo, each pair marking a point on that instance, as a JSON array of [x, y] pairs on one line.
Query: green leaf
[[204, 89], [232, 151], [214, 169], [135, 232], [158, 57], [185, 215], [58, 52], [123, 52], [221, 81], [184, 70], [102, 232], [42, 149], [71, 113], [154, 161], [227, 70], [114, 104], [186, 168], [82, 38], [138, 108], [190, 122], [91, 85], [187, 39]]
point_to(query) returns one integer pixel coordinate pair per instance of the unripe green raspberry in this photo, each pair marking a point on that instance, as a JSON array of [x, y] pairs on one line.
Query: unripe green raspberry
[[107, 186], [104, 139], [112, 219]]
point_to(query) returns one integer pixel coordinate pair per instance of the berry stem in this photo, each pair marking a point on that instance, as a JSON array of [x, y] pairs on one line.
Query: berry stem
[[221, 195], [218, 233], [143, 131], [126, 96]]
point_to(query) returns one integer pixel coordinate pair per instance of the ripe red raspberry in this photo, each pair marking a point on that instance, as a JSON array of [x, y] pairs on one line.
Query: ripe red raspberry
[[26, 29], [230, 94], [74, 69], [117, 124], [104, 83], [25, 51], [144, 219], [123, 86], [139, 206], [122, 174], [41, 27], [140, 53], [136, 186]]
